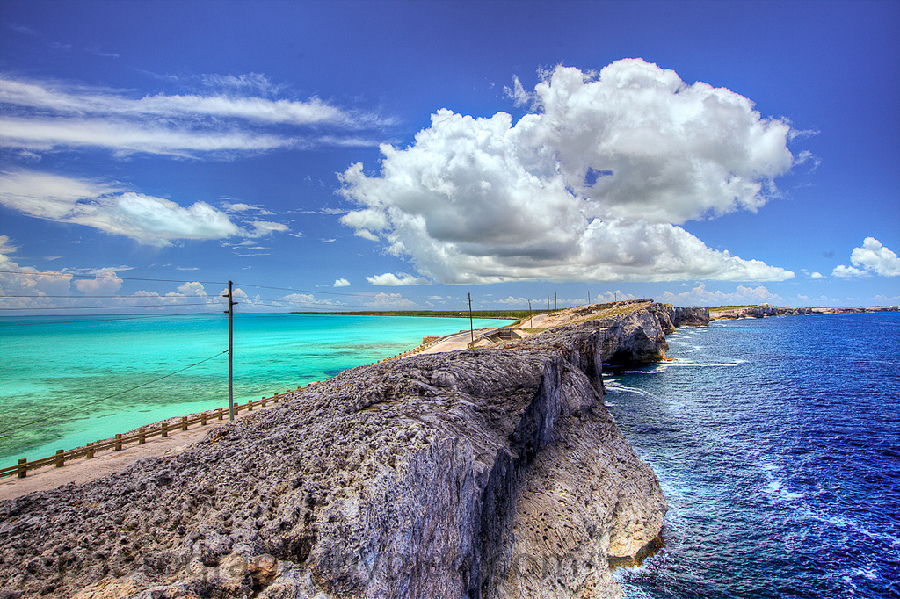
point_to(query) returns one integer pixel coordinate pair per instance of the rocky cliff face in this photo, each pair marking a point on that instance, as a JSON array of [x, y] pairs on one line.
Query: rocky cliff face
[[764, 310], [474, 474], [694, 317]]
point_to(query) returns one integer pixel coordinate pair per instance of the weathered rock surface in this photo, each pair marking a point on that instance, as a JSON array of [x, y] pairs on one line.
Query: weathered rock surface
[[485, 473], [764, 310], [692, 317]]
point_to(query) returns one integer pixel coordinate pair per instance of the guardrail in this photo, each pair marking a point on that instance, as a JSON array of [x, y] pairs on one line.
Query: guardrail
[[118, 442], [140, 437]]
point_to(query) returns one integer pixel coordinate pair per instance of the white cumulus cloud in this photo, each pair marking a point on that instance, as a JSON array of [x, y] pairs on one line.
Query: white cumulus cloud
[[105, 282], [390, 300], [308, 299], [870, 259], [592, 185], [400, 278], [25, 286], [341, 282], [742, 295]]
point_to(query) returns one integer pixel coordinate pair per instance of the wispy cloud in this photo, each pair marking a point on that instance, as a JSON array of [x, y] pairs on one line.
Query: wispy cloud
[[118, 211], [47, 115]]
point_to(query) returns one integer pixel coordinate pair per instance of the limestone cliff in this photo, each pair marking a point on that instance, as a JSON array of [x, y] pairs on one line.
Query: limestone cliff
[[765, 310], [473, 474]]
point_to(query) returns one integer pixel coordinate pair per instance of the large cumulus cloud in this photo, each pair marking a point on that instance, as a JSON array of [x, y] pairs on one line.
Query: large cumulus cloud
[[592, 184]]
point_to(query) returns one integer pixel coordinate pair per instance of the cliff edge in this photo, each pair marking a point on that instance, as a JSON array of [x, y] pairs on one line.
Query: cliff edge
[[473, 474]]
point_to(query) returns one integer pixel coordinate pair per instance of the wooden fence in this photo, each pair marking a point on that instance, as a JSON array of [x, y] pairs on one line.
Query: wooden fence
[[140, 437]]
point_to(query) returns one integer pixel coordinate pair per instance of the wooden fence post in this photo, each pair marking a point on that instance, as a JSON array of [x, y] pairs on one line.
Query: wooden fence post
[[58, 463], [203, 419], [22, 469], [219, 413], [142, 436], [118, 446], [184, 423], [90, 450], [165, 429]]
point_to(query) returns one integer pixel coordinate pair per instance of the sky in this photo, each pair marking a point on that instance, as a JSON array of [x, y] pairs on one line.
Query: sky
[[330, 156]]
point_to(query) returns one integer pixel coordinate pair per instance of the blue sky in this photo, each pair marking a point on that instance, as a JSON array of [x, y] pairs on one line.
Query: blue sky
[[356, 155]]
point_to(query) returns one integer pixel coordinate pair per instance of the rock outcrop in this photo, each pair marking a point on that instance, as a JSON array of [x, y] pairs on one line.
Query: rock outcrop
[[692, 317], [764, 310], [473, 474]]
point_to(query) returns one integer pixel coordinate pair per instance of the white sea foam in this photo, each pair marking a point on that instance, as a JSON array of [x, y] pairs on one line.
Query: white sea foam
[[615, 388]]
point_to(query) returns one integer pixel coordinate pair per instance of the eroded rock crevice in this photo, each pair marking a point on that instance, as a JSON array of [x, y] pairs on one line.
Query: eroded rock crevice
[[476, 474]]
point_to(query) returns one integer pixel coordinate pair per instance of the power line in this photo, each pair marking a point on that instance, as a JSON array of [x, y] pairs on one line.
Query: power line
[[44, 322], [157, 280], [76, 297], [75, 409], [101, 307], [93, 276], [369, 294]]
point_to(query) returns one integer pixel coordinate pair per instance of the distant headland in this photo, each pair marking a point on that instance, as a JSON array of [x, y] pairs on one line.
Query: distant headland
[[494, 471]]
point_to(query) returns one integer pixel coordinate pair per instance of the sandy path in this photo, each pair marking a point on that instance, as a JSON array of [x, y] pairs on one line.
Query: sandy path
[[108, 462], [83, 470]]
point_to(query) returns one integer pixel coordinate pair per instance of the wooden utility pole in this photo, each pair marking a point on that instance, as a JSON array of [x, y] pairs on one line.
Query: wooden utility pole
[[589, 298], [530, 316], [554, 300], [471, 325], [230, 313]]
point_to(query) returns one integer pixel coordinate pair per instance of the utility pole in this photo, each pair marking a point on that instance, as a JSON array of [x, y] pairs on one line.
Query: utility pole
[[471, 326], [530, 316], [589, 298], [230, 313], [554, 300]]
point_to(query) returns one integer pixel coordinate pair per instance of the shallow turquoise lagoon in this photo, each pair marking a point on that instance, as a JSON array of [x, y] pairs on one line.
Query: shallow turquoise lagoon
[[66, 381]]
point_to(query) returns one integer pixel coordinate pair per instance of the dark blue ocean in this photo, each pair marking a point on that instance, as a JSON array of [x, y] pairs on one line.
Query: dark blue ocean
[[777, 443]]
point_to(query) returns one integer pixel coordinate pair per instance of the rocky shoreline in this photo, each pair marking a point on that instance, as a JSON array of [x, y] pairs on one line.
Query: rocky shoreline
[[480, 473], [765, 310]]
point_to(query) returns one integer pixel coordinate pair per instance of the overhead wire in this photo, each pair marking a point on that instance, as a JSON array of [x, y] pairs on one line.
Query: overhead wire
[[281, 302], [75, 409], [101, 307], [93, 276], [142, 317]]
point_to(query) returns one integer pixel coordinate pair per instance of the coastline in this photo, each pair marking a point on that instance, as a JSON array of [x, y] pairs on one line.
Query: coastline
[[82, 470], [413, 413], [764, 310], [507, 419], [67, 382]]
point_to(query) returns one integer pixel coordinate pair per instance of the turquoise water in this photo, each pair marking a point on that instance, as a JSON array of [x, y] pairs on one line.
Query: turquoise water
[[66, 381]]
